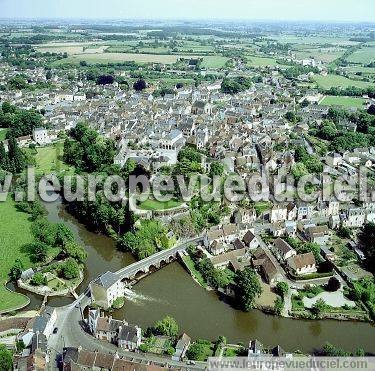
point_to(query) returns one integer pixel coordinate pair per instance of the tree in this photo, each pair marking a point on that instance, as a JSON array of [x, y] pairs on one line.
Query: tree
[[371, 110], [45, 231], [16, 158], [39, 250], [217, 168], [70, 269], [4, 161], [344, 232], [360, 352], [282, 288], [105, 80], [299, 170], [75, 251], [6, 359], [366, 238], [333, 284], [331, 351], [167, 326], [140, 85], [38, 279], [16, 270], [235, 85], [198, 350], [170, 351], [279, 305], [63, 235], [247, 288]]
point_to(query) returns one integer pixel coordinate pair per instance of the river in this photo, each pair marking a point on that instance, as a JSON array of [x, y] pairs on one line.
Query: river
[[171, 291]]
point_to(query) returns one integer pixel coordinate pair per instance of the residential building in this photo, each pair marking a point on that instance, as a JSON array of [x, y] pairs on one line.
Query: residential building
[[302, 263]]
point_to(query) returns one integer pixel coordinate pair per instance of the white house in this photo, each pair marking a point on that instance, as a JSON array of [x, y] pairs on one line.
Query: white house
[[283, 249], [302, 263], [278, 213], [250, 240], [41, 136], [129, 337], [354, 218], [106, 289]]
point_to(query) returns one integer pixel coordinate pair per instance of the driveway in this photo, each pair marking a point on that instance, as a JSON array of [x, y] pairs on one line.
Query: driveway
[[334, 299]]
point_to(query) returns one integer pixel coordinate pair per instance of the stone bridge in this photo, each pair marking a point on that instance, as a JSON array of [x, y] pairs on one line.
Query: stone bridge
[[155, 261]]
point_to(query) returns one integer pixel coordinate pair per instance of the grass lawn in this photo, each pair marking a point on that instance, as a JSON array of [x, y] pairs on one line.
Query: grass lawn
[[261, 207], [329, 81], [14, 233], [343, 101], [160, 345], [158, 205], [233, 352], [254, 61], [49, 159], [3, 133]]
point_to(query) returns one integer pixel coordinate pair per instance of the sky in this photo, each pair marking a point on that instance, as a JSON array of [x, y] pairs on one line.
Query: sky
[[296, 10]]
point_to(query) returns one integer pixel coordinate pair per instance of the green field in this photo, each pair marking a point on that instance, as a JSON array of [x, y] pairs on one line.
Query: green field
[[158, 205], [329, 81], [326, 55], [313, 40], [14, 234], [254, 61], [343, 101], [49, 160], [3, 133], [119, 57], [364, 55], [214, 61]]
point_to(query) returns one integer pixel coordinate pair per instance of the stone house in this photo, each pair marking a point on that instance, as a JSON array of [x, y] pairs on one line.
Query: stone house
[[283, 250], [106, 289], [302, 263]]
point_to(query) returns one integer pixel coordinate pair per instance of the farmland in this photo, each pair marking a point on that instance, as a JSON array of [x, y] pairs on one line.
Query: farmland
[[254, 61], [329, 81], [364, 55], [343, 101], [208, 61]]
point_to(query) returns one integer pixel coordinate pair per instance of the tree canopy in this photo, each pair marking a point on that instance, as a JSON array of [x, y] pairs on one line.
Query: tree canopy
[[247, 288]]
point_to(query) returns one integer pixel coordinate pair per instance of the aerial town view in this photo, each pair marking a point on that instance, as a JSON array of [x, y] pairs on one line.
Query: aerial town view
[[187, 183]]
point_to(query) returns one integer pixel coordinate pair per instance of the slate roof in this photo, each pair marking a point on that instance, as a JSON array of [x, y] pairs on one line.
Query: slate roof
[[107, 280]]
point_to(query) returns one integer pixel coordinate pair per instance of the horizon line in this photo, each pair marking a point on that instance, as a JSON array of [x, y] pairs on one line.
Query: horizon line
[[212, 20]]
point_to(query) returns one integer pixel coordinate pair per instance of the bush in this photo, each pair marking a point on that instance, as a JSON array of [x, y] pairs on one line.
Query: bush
[[282, 288], [38, 279]]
